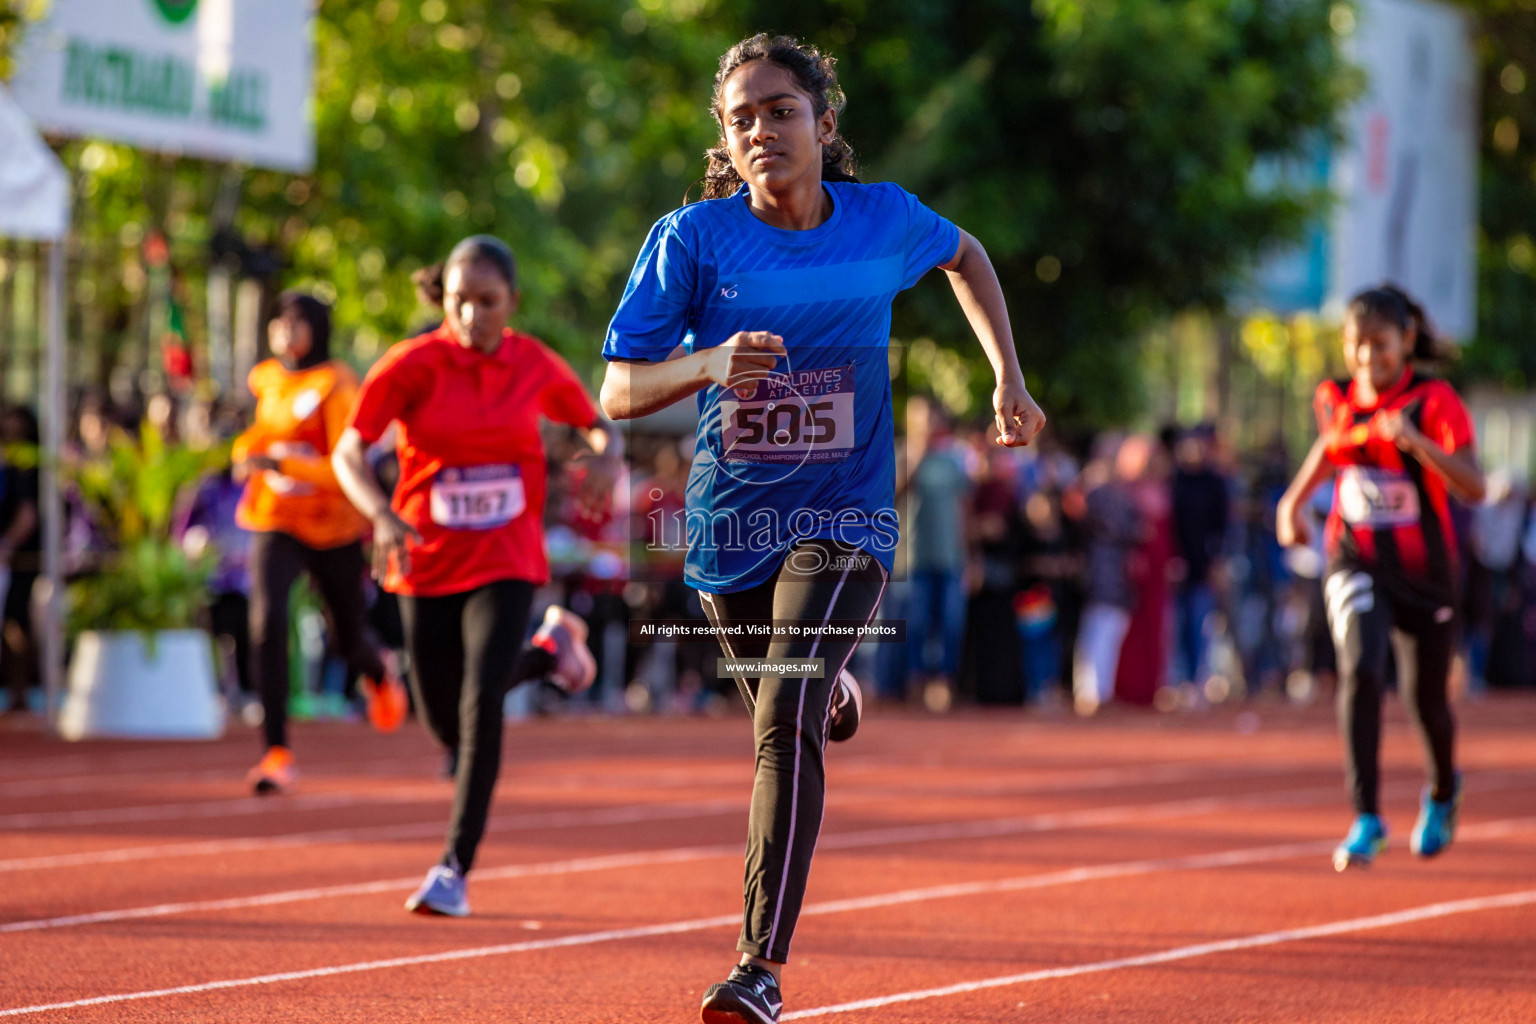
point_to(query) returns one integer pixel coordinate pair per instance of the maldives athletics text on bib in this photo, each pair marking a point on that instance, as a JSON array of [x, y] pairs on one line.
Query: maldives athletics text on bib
[[796, 417], [477, 497]]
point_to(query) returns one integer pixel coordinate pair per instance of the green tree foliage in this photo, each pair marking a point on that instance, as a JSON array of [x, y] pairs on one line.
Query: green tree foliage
[[1102, 150], [1505, 347], [14, 16], [563, 127]]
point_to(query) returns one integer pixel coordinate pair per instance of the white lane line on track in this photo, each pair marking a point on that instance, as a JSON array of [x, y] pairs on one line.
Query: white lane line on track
[[997, 827], [625, 815], [586, 939], [427, 829], [204, 809], [1412, 915], [38, 767], [55, 760], [415, 765], [867, 838], [1228, 858], [1089, 779], [1098, 778], [409, 765], [982, 828], [559, 867]]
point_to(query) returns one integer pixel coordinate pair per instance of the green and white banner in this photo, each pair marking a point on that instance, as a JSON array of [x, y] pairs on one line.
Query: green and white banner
[[224, 79]]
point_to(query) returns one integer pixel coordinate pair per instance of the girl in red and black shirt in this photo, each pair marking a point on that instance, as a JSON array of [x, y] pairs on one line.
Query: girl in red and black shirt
[[1400, 446], [462, 541]]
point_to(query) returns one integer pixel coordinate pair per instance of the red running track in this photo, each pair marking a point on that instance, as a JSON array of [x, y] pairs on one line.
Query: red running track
[[975, 867]]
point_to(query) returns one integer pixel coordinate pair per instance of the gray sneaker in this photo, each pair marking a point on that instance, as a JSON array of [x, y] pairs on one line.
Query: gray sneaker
[[441, 893]]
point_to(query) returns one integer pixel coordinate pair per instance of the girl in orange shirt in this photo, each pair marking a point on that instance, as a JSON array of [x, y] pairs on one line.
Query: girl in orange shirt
[[303, 523]]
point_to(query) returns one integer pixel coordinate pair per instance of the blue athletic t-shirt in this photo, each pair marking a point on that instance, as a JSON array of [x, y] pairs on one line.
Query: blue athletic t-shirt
[[809, 451]]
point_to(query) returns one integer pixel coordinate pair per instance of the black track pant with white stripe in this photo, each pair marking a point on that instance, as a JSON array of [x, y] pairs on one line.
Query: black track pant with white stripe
[[819, 581], [1366, 622], [467, 651]]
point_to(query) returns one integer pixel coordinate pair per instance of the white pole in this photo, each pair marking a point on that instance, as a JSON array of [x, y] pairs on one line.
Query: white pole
[[221, 346], [52, 500], [247, 331]]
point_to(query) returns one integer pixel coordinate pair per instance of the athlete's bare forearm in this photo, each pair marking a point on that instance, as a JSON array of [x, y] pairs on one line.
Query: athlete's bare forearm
[[1460, 471], [633, 389], [1290, 519], [350, 461], [1315, 470], [980, 295]]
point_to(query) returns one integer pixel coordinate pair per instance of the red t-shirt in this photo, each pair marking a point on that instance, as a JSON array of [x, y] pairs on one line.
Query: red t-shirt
[[471, 460], [1391, 514]]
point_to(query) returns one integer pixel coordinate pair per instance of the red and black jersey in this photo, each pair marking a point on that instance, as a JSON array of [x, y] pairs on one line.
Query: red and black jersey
[[1391, 514]]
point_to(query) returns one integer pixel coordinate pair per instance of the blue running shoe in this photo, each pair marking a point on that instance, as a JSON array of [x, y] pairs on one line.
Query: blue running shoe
[[441, 893], [1436, 826], [1367, 837]]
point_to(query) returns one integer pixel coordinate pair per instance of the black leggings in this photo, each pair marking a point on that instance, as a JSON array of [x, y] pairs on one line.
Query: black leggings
[[1365, 621], [229, 617], [276, 562], [819, 581], [466, 653]]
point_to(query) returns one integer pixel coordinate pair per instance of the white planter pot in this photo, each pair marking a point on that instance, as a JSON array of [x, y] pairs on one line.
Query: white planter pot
[[117, 688]]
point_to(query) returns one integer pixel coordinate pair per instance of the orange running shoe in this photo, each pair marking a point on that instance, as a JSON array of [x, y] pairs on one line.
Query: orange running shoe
[[386, 699], [274, 774], [563, 633]]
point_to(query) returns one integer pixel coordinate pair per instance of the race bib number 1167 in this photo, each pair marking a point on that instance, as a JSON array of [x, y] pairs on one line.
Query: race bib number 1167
[[477, 497]]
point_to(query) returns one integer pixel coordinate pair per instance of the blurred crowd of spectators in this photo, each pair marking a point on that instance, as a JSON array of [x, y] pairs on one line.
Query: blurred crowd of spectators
[[1133, 568]]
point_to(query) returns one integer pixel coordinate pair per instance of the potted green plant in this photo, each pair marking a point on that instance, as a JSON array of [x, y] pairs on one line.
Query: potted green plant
[[141, 667]]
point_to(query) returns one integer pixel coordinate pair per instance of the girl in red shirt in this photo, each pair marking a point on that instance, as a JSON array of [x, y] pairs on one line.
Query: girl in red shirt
[[1399, 444], [462, 540]]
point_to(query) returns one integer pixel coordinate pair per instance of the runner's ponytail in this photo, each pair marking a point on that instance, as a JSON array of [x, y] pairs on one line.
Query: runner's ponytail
[[429, 285], [816, 75], [474, 249]]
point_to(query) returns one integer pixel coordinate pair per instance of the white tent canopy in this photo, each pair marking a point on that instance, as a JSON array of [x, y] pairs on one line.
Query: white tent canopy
[[34, 203], [34, 189]]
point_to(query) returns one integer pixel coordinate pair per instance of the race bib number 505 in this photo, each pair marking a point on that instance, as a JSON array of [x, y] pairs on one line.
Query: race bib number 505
[[477, 497], [803, 416], [1377, 497]]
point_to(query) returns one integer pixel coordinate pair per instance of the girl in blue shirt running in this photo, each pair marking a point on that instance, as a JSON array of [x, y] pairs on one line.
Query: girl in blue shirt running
[[771, 302]]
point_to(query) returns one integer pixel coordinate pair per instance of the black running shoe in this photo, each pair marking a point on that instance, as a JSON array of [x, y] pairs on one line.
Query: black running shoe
[[748, 996], [847, 706]]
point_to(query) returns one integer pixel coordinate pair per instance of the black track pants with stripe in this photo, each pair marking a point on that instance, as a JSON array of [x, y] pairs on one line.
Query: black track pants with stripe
[[467, 651], [1367, 625], [819, 581]]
